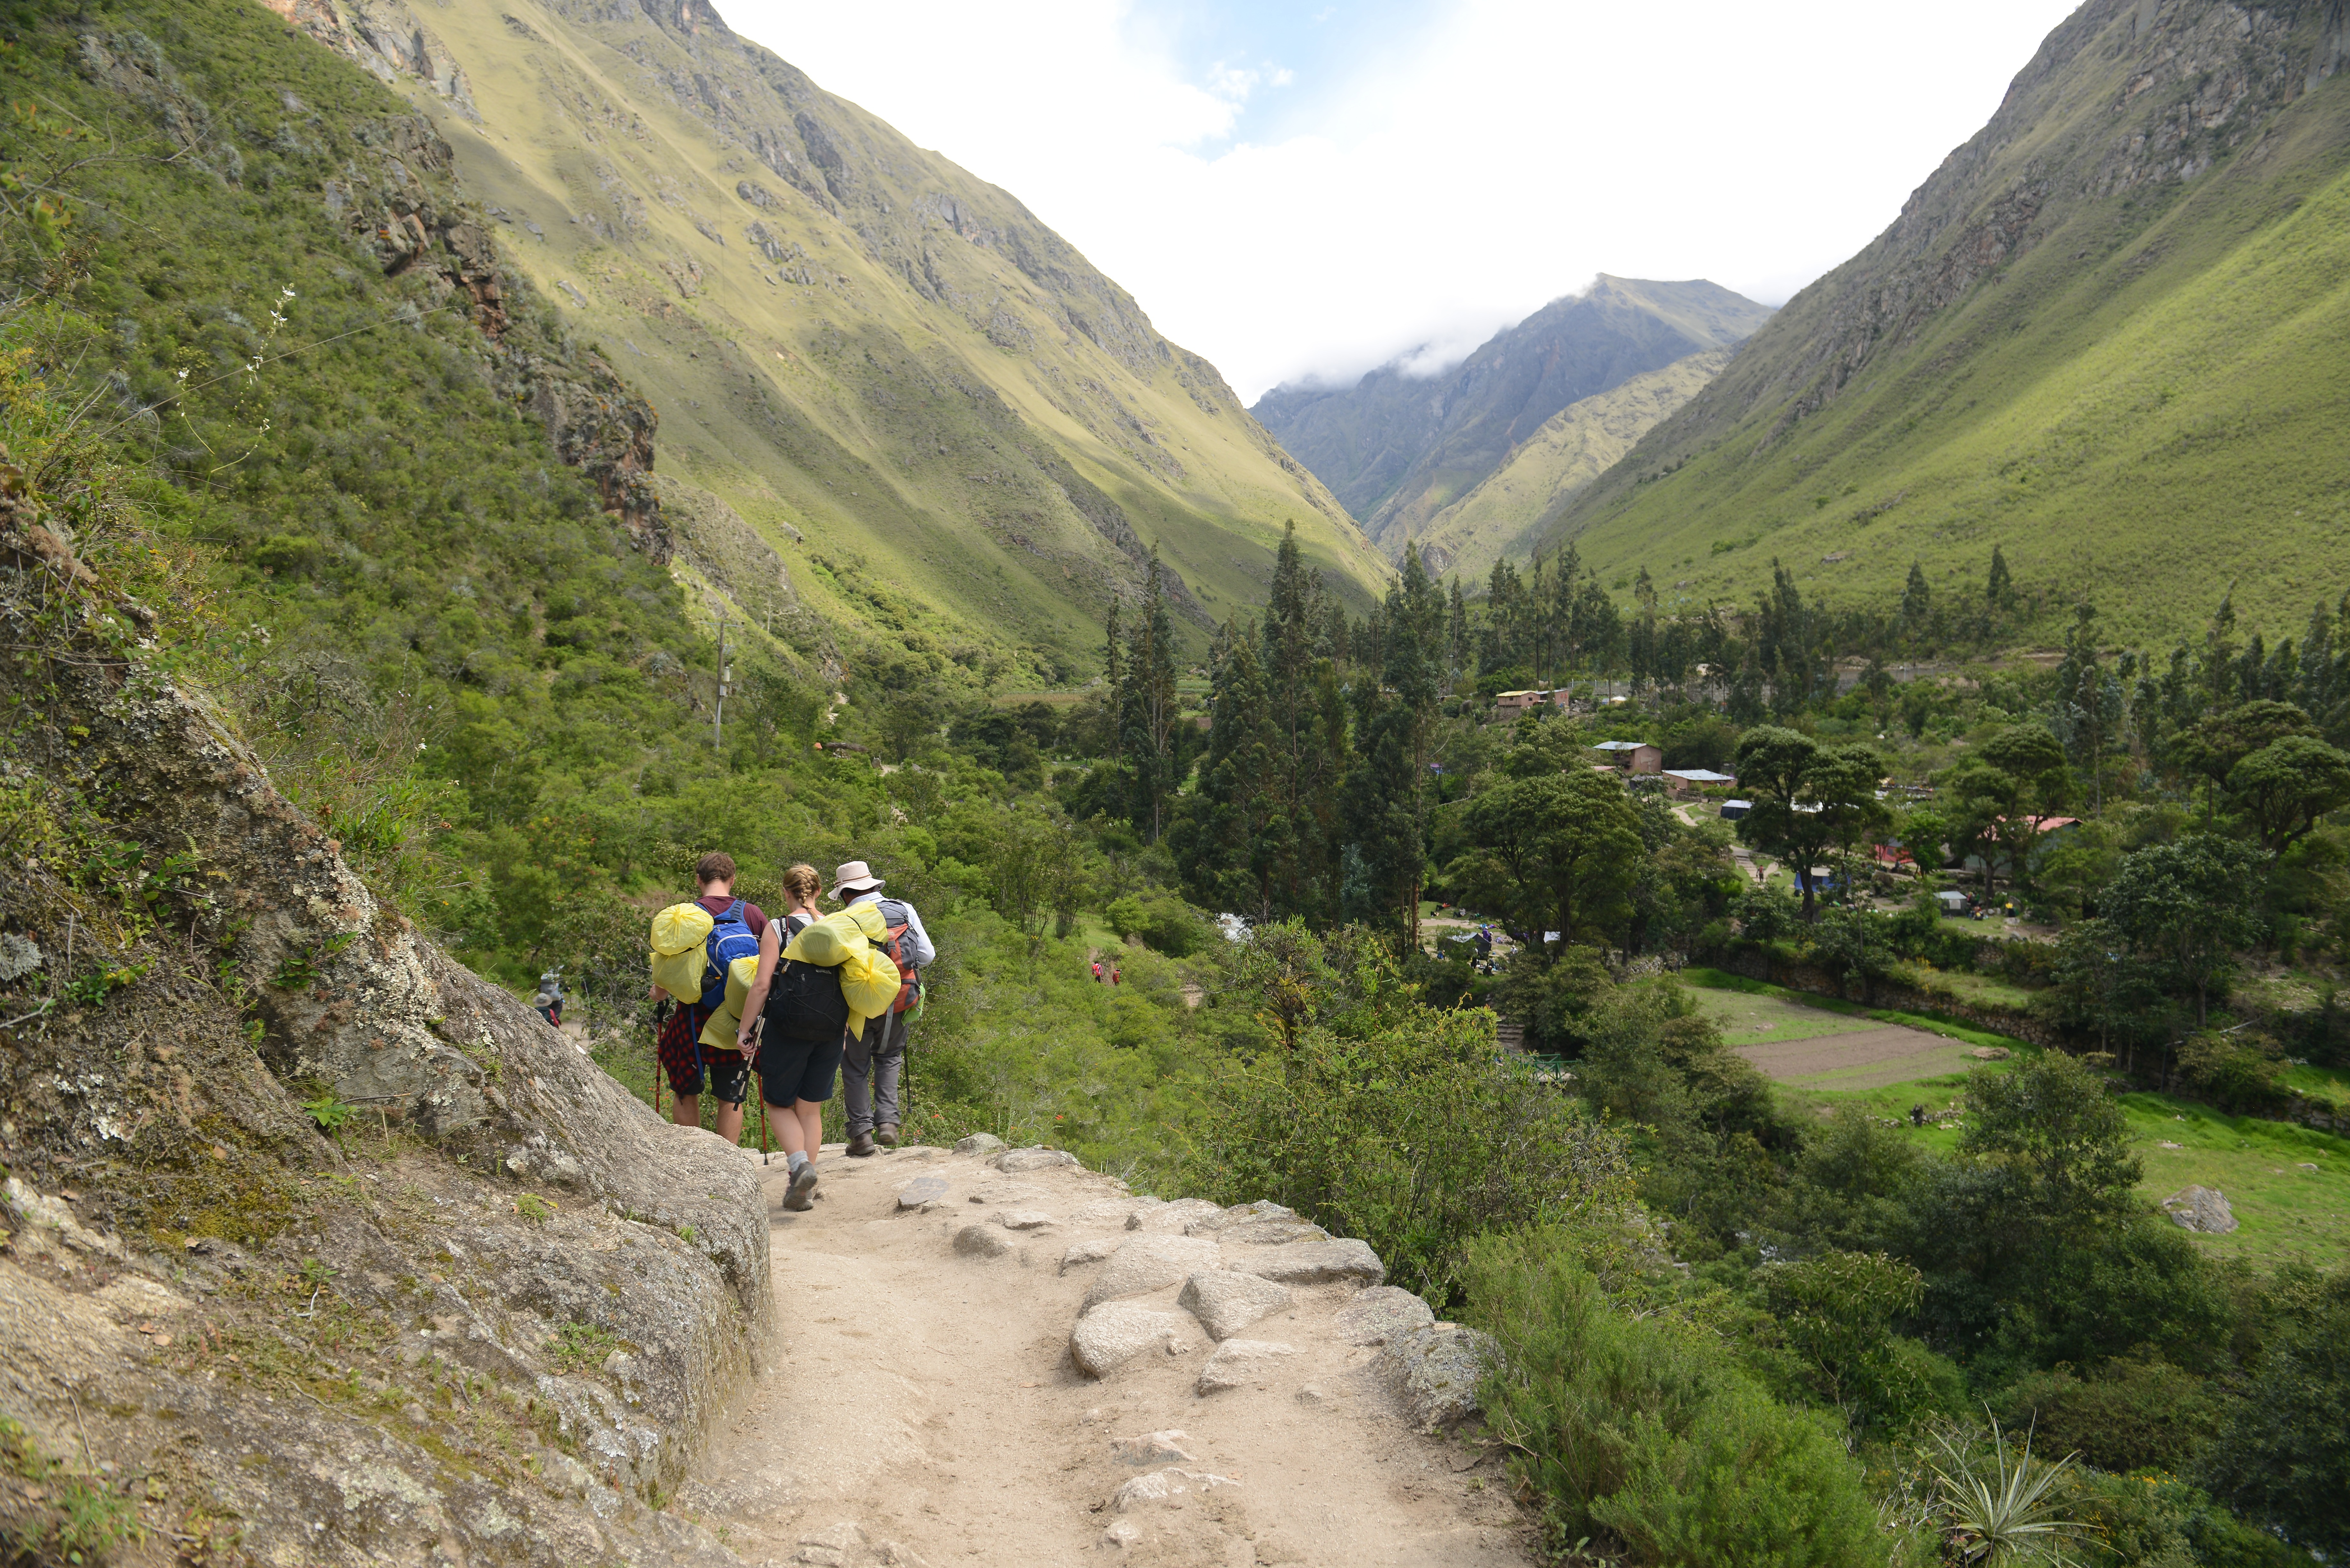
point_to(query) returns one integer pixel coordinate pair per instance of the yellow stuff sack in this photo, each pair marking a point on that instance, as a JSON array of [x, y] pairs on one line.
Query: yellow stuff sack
[[678, 954], [869, 983], [727, 1021], [833, 938]]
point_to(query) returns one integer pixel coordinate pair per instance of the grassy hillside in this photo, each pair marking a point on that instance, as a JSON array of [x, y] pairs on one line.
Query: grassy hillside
[[1398, 449], [1578, 444], [950, 426], [2106, 334]]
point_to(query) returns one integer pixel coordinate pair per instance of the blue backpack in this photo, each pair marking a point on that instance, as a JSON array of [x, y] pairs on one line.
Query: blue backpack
[[729, 940]]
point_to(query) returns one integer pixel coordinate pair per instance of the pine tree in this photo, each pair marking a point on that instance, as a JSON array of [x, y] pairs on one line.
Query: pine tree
[[1229, 841], [1387, 792], [1916, 600], [1456, 634], [1147, 708], [1999, 589]]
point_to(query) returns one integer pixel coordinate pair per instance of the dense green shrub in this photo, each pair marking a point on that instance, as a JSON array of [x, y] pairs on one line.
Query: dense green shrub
[[1644, 1432], [2126, 1415], [1408, 1129], [2283, 1457], [1162, 920], [2153, 1518]]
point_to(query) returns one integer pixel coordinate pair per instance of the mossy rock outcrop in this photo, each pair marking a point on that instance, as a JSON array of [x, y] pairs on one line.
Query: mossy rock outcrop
[[314, 1245]]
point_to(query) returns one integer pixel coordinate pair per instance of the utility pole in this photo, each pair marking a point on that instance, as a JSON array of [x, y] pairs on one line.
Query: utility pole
[[718, 717]]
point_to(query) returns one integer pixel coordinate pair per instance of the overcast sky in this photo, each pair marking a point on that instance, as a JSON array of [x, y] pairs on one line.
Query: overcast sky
[[1306, 190]]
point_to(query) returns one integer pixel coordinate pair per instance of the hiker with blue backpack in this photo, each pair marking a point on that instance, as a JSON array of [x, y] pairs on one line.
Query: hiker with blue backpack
[[732, 932]]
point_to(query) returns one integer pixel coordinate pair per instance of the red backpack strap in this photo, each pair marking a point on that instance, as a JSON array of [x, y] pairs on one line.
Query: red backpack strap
[[909, 977]]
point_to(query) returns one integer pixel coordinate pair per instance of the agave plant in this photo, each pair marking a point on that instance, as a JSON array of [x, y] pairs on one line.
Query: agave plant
[[2016, 1519]]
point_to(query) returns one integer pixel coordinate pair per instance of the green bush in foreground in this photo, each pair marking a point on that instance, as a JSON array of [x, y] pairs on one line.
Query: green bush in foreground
[[1644, 1432], [1404, 1124]]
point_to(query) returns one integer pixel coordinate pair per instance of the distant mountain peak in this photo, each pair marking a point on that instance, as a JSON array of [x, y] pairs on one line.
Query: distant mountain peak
[[1397, 447]]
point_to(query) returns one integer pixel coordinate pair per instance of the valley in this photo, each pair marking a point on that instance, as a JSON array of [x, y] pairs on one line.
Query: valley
[[473, 478]]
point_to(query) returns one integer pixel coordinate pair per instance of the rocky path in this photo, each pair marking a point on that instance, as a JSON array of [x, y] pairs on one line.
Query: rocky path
[[999, 1358]]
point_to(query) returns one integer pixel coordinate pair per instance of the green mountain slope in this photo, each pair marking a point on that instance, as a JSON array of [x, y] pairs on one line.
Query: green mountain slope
[[948, 426], [2107, 335], [1573, 448], [1398, 449]]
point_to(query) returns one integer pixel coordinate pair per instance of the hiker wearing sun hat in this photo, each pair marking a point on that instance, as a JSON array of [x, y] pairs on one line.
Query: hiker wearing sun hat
[[875, 1059]]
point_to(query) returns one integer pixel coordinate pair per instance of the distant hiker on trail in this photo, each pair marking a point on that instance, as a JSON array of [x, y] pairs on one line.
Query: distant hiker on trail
[[1097, 971], [549, 999], [1113, 976], [794, 1072], [690, 1063], [876, 1059]]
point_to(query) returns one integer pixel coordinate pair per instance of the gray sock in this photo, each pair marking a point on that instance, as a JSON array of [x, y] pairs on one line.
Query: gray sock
[[797, 1160]]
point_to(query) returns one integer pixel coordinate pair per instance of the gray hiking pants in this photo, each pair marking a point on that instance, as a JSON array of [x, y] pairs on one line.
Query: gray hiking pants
[[869, 1070]]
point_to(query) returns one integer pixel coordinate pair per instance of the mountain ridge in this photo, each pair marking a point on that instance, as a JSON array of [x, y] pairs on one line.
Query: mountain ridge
[[951, 428], [1396, 448], [1498, 515], [2095, 334]]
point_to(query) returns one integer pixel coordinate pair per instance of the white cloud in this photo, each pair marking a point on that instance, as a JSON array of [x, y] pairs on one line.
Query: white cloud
[[1426, 185]]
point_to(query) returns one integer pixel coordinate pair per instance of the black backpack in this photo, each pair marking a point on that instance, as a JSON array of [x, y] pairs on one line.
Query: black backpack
[[805, 1005]]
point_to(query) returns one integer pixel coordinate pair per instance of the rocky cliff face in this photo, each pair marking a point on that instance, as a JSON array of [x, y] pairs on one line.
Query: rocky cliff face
[[314, 1245], [1398, 449]]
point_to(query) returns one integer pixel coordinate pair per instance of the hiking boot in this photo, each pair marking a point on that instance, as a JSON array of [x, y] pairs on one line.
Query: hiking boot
[[862, 1145], [800, 1196], [886, 1136]]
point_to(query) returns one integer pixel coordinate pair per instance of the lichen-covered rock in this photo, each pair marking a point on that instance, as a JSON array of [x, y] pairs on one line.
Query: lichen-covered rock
[[923, 1191], [1226, 1303], [1381, 1313], [1435, 1371], [2200, 1209], [1165, 1485], [1014, 1161], [1310, 1262], [488, 1315], [1091, 1251], [1176, 1216], [1148, 1263], [978, 1143], [1271, 1233], [1240, 1362], [1110, 1336], [1239, 1214], [982, 1242], [1162, 1448]]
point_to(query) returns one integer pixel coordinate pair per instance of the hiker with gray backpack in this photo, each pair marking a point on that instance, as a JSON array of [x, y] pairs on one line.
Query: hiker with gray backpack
[[876, 1057]]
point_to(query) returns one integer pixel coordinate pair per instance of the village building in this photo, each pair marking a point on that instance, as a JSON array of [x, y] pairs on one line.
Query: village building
[[1633, 756], [1682, 781]]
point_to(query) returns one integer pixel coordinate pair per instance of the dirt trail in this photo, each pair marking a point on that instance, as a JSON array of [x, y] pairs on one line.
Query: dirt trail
[[923, 1404]]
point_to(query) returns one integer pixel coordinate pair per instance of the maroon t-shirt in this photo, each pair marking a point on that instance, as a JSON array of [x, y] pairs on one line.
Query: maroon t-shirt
[[753, 916]]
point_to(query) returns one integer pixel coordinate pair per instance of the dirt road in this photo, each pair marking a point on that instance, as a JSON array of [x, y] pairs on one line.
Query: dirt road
[[924, 1406]]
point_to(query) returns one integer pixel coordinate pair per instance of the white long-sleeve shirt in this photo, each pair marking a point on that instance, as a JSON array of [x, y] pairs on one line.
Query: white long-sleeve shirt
[[897, 911]]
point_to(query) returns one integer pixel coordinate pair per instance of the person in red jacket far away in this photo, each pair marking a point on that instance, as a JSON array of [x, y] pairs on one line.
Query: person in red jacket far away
[[1098, 972]]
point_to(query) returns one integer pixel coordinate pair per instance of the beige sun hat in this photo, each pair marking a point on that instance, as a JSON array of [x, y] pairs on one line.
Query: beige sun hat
[[854, 876]]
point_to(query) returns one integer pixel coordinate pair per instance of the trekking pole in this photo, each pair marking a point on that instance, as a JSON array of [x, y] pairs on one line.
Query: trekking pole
[[758, 1036], [661, 1019]]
